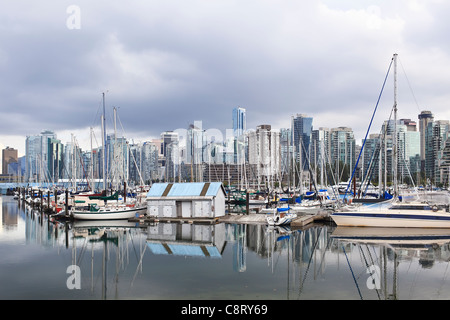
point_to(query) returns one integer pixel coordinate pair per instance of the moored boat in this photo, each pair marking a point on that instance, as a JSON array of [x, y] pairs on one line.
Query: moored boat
[[397, 214], [280, 216], [109, 212]]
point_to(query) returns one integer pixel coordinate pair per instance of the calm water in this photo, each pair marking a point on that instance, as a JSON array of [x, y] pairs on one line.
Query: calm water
[[223, 261]]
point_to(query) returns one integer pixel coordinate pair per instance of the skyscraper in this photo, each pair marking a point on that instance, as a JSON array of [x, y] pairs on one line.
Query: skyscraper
[[264, 153], [55, 159], [343, 150], [170, 150], [320, 151], [302, 129], [439, 130], [36, 153], [9, 156], [425, 117], [239, 121]]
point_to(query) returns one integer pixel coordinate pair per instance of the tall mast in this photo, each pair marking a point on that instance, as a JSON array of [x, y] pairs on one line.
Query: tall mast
[[115, 159], [293, 153], [104, 143], [92, 164], [394, 146]]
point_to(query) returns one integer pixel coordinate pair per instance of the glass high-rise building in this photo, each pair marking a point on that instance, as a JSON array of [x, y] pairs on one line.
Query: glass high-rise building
[[343, 150], [302, 129], [239, 121], [36, 153], [425, 117]]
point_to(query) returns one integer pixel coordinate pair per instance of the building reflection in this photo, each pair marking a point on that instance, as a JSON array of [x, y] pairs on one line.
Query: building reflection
[[9, 214], [186, 239]]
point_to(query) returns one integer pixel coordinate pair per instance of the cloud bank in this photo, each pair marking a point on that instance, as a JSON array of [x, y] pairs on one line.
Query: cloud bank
[[165, 64]]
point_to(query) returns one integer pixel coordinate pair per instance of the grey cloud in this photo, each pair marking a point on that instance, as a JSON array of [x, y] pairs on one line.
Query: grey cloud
[[166, 64]]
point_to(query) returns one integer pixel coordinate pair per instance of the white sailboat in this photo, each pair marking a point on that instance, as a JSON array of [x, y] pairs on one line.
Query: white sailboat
[[395, 213], [110, 211]]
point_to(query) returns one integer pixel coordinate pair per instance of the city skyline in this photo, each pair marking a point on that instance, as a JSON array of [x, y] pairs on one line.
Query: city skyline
[[177, 154], [165, 64]]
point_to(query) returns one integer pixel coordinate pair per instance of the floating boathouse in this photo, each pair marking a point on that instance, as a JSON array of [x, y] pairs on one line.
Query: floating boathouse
[[186, 200]]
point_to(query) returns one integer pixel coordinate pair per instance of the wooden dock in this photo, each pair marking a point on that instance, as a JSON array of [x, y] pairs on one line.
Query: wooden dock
[[300, 221], [149, 220], [253, 218]]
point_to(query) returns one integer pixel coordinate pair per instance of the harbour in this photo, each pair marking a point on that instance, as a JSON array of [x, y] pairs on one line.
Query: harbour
[[42, 201], [263, 238], [235, 257]]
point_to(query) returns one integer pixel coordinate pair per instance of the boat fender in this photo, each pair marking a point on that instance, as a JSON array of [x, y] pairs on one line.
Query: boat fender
[[434, 208]]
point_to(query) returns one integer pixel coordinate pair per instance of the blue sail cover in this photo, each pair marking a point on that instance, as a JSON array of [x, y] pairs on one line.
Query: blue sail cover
[[387, 195]]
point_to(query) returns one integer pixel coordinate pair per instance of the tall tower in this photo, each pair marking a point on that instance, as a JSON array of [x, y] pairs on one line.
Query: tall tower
[[264, 154], [425, 117], [239, 121], [302, 131]]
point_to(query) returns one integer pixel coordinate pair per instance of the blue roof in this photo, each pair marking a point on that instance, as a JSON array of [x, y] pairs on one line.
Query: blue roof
[[157, 189], [184, 189]]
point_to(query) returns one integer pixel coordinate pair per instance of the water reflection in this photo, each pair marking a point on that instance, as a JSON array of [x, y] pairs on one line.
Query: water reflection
[[186, 239], [119, 260], [9, 214], [389, 254]]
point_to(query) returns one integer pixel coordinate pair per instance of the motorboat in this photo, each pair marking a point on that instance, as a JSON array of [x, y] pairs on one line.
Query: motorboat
[[280, 216]]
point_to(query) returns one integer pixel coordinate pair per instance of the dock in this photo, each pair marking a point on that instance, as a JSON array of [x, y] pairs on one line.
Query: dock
[[300, 221], [144, 220], [252, 218]]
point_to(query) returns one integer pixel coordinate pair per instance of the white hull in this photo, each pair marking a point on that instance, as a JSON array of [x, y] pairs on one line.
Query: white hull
[[108, 214], [306, 209], [393, 218]]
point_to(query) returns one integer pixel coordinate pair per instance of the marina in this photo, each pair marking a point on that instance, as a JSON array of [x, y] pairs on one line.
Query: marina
[[237, 256], [204, 152], [263, 237]]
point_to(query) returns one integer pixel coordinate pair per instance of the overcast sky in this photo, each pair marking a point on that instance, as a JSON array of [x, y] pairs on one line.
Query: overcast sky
[[167, 63]]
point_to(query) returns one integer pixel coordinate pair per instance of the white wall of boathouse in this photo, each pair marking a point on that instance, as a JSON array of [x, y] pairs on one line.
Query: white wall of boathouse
[[186, 200]]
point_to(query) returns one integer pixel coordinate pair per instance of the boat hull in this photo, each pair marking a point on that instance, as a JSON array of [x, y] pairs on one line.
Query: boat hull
[[108, 215], [396, 219]]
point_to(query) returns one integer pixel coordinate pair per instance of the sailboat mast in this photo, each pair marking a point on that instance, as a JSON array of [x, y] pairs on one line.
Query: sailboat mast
[[116, 167], [92, 164], [104, 143], [293, 153], [394, 146]]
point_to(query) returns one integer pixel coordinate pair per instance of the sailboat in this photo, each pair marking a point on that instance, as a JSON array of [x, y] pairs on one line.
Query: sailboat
[[395, 213], [108, 212], [117, 210]]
